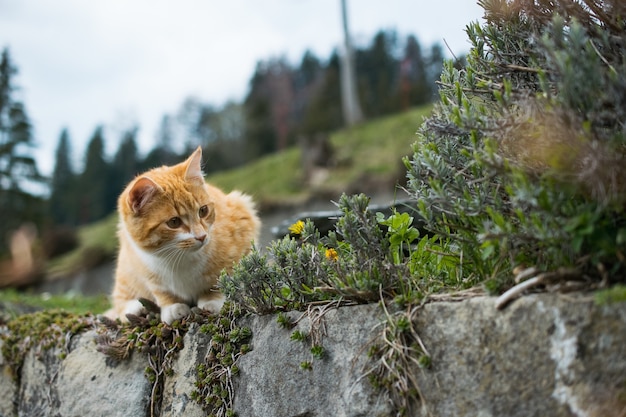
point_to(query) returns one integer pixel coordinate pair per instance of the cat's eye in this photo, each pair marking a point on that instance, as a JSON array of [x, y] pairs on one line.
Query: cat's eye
[[174, 223], [204, 210]]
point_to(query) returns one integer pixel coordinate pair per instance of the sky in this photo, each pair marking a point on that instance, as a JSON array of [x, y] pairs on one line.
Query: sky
[[119, 63]]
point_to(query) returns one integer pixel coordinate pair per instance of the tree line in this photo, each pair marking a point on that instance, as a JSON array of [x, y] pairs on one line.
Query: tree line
[[285, 104]]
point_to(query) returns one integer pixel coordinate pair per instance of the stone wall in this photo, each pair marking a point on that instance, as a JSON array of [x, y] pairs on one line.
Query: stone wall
[[544, 355]]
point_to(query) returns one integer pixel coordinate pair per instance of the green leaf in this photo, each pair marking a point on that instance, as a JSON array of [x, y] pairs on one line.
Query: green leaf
[[487, 250]]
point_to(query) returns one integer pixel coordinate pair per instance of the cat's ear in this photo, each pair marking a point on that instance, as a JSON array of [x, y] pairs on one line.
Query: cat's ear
[[142, 191], [194, 166]]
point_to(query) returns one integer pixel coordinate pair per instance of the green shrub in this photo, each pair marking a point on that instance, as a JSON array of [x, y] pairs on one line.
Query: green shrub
[[353, 263], [523, 161]]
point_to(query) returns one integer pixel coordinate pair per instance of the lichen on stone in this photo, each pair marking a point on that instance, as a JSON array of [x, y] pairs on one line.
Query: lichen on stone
[[41, 331]]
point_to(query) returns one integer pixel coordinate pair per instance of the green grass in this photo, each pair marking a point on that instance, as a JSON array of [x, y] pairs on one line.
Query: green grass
[[272, 180], [375, 149], [14, 302]]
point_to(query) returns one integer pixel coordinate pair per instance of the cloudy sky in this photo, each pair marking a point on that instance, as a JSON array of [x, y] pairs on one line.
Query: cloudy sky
[[117, 62]]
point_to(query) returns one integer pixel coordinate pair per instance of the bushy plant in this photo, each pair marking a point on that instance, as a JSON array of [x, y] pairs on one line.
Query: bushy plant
[[352, 263], [367, 257], [523, 162]]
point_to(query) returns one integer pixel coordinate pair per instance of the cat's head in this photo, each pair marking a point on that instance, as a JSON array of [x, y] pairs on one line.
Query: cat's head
[[169, 207]]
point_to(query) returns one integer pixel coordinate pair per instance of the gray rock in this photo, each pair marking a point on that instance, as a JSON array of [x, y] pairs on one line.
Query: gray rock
[[544, 355], [83, 384], [8, 388], [272, 383], [91, 385], [37, 394]]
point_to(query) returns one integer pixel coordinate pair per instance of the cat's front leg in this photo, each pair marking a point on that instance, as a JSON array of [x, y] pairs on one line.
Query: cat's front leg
[[172, 307], [211, 301], [133, 307], [173, 312]]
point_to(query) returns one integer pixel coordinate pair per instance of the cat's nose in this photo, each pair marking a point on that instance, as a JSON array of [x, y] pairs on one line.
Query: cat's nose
[[201, 238]]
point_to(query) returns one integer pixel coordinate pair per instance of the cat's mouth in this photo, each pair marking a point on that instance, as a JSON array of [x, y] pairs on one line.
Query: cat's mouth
[[193, 243]]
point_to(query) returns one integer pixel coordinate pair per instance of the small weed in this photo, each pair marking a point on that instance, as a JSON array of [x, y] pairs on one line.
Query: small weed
[[298, 336], [401, 233], [306, 365], [284, 321], [399, 350], [317, 351], [616, 294], [214, 387]]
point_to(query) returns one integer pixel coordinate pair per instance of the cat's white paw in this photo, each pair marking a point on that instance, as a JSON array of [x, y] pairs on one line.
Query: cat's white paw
[[173, 312], [213, 305], [133, 307]]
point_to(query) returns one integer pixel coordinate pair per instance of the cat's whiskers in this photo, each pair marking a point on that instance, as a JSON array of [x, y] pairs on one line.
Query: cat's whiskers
[[170, 254]]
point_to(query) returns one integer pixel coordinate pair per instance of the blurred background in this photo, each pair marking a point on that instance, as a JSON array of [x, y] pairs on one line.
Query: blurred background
[[293, 101]]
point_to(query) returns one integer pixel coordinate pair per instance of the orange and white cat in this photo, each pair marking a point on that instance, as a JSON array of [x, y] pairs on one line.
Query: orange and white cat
[[177, 233]]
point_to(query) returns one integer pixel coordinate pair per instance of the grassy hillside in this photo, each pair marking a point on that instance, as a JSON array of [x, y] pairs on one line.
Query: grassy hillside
[[367, 154]]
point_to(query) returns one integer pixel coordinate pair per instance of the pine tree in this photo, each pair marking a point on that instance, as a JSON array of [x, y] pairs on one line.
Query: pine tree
[[163, 153], [18, 168], [415, 88], [63, 203], [434, 67], [308, 78], [124, 167], [93, 201], [261, 133], [324, 113], [378, 77]]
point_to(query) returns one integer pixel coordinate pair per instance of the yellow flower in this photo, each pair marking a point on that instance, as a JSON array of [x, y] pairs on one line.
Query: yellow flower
[[331, 254], [297, 228]]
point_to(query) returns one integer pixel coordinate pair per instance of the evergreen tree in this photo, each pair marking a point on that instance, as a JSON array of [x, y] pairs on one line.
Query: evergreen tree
[[226, 148], [378, 76], [163, 153], [324, 113], [18, 168], [124, 167], [309, 70], [63, 209], [434, 66], [165, 135], [415, 86], [308, 78], [261, 135], [94, 203]]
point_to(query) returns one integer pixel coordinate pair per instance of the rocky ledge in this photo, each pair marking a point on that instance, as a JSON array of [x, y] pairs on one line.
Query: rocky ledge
[[544, 355]]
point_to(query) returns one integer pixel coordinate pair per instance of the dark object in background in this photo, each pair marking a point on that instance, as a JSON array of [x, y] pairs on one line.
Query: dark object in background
[[58, 241], [325, 220]]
